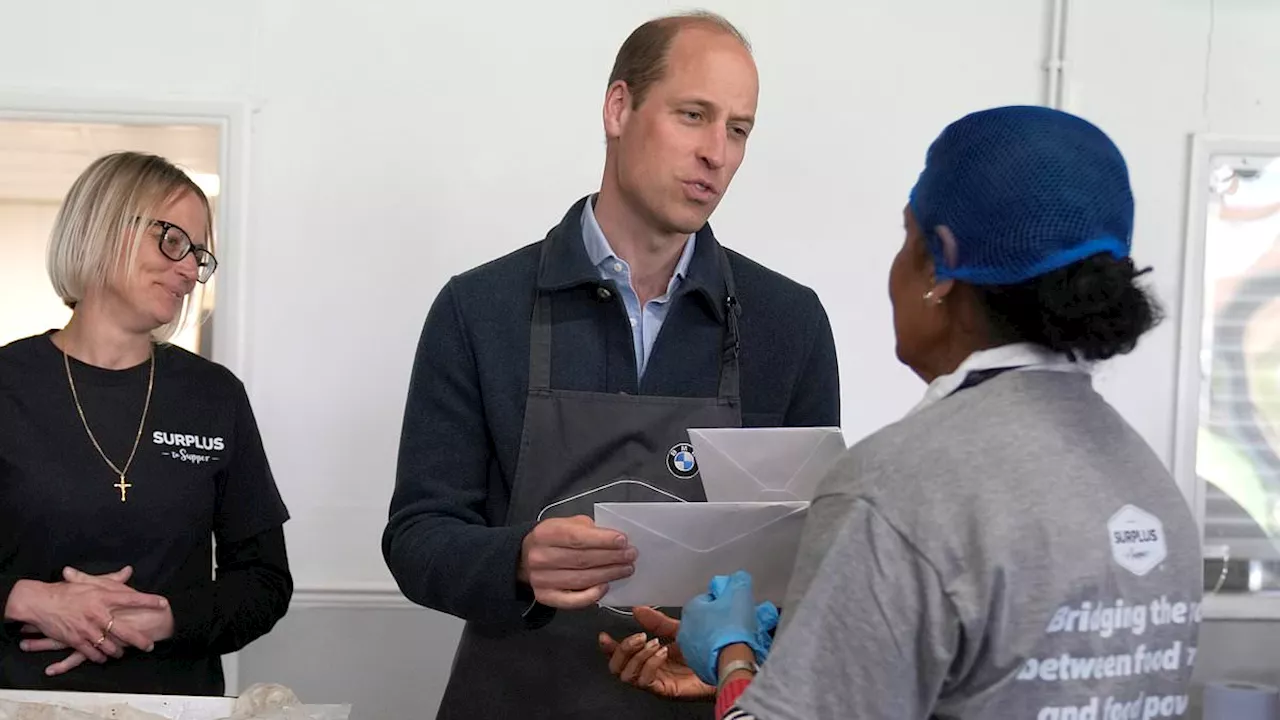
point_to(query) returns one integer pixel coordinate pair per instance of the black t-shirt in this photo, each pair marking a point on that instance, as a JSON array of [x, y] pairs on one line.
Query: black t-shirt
[[199, 473]]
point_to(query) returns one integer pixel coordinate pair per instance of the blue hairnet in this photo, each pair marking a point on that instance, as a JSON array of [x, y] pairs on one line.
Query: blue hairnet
[[1025, 191]]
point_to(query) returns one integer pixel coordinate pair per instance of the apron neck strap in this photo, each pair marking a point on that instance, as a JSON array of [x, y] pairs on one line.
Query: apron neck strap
[[730, 371], [540, 344], [731, 348]]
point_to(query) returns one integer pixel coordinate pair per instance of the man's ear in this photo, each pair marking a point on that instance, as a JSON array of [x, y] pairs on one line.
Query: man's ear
[[617, 109]]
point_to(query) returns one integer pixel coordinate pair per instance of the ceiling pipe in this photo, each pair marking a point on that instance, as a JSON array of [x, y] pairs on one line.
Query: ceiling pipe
[[1055, 65]]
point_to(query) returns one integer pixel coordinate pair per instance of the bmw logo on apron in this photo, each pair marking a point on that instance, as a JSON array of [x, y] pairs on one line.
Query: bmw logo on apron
[[680, 461]]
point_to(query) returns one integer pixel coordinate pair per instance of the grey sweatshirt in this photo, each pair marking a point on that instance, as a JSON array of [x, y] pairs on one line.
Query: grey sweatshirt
[[1014, 550]]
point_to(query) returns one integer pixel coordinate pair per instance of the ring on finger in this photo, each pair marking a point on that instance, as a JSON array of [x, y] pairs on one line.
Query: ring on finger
[[110, 623]]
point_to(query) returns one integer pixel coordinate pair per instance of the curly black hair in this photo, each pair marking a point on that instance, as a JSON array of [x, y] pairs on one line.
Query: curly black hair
[[1092, 309]]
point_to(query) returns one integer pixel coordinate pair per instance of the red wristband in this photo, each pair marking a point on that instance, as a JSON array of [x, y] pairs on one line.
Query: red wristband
[[728, 695]]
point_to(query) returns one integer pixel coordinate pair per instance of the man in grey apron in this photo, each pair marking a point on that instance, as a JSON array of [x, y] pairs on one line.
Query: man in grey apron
[[542, 385], [580, 448]]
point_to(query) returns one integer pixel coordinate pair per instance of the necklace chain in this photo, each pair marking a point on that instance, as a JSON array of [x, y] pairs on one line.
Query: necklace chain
[[122, 485]]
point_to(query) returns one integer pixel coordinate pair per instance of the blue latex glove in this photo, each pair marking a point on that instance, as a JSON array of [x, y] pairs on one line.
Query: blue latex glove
[[724, 616], [766, 617]]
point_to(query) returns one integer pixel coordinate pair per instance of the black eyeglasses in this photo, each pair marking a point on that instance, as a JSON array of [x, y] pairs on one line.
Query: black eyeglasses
[[176, 245]]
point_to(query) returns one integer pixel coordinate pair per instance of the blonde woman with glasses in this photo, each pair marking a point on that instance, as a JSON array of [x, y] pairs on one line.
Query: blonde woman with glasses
[[123, 458]]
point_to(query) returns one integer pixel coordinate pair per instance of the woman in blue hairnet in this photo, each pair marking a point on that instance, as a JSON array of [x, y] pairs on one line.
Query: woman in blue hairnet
[[1012, 548]]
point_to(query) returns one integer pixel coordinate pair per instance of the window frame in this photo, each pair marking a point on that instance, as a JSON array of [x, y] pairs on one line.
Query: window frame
[[1204, 147]]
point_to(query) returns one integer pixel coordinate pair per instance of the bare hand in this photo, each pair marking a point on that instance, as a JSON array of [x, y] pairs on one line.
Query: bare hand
[[109, 645], [651, 664], [569, 562], [84, 615], [155, 624]]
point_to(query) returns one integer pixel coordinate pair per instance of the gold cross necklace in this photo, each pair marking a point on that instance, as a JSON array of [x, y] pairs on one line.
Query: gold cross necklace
[[123, 485]]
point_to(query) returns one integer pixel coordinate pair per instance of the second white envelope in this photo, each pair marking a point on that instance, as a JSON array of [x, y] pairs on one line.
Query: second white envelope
[[764, 464], [683, 545]]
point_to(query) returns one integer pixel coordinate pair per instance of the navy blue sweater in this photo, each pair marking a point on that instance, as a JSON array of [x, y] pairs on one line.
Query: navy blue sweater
[[447, 541]]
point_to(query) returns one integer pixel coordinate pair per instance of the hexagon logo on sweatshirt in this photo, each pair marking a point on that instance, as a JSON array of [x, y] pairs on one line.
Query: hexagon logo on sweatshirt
[[1137, 540]]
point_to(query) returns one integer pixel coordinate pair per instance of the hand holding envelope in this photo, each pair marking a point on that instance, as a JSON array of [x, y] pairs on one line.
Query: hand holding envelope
[[568, 561], [759, 482], [682, 545]]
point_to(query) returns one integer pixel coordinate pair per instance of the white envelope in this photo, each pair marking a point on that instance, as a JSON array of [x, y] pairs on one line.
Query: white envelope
[[683, 545], [764, 464]]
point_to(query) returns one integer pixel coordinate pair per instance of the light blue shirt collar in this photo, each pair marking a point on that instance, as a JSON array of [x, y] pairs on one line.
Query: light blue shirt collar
[[646, 321], [600, 252]]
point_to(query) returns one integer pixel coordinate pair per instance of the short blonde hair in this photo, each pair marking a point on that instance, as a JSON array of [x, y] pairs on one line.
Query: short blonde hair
[[104, 220]]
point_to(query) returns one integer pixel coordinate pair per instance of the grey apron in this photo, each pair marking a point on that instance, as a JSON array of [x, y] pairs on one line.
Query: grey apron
[[577, 449]]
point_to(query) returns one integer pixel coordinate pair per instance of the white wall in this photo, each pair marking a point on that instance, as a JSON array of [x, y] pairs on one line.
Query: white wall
[[401, 142]]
